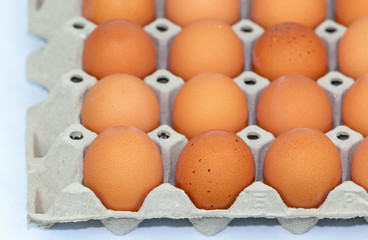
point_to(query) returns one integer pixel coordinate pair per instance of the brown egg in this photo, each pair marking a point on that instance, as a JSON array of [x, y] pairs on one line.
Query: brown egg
[[120, 99], [209, 101], [289, 48], [303, 165], [359, 165], [353, 49], [138, 11], [122, 165], [306, 12], [347, 11], [206, 46], [183, 13], [119, 46], [213, 168], [355, 107], [294, 101]]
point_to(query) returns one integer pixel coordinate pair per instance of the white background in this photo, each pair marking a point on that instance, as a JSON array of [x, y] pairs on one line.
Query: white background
[[17, 94]]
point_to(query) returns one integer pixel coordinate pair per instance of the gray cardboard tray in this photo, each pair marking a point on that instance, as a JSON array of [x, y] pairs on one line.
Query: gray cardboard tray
[[56, 141]]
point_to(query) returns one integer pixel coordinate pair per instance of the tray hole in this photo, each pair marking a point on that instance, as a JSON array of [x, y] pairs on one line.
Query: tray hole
[[253, 136], [330, 29], [78, 25], [343, 136], [246, 29], [39, 4], [76, 79], [162, 28], [163, 135], [336, 82], [76, 135], [250, 81], [163, 80]]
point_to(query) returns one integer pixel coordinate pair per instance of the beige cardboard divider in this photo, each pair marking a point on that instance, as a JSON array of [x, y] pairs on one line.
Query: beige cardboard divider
[[63, 52], [56, 192], [56, 143], [45, 17]]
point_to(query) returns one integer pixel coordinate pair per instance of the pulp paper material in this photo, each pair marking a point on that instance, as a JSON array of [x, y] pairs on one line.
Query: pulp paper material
[[56, 141]]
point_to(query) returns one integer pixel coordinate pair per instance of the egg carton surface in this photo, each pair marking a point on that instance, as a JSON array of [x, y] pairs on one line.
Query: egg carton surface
[[55, 140], [64, 50], [56, 143], [45, 17]]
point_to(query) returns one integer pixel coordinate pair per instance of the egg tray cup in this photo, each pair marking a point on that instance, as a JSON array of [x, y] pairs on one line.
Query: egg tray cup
[[56, 141], [56, 144]]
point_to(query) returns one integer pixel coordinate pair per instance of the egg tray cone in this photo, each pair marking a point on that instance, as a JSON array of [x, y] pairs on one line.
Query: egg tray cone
[[56, 141]]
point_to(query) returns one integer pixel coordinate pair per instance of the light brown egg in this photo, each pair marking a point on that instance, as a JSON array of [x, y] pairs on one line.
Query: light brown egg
[[355, 107], [347, 11], [119, 46], [206, 46], [294, 101], [213, 168], [303, 165], [359, 165], [353, 49], [306, 12], [138, 11], [289, 48], [185, 12], [120, 99], [209, 101], [122, 165]]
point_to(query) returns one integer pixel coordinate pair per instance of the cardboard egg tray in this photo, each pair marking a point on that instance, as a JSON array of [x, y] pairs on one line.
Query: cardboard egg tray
[[56, 141]]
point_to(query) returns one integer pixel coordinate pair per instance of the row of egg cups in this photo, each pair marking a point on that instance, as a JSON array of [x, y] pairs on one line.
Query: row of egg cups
[[47, 16], [56, 143], [64, 51]]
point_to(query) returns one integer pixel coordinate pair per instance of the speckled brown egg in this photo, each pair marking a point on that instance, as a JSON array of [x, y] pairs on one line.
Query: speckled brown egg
[[185, 12], [119, 46], [138, 11], [347, 11], [213, 168], [359, 165], [289, 48], [293, 101], [209, 101], [120, 99], [353, 49], [121, 166], [270, 12], [355, 107], [207, 45], [303, 165]]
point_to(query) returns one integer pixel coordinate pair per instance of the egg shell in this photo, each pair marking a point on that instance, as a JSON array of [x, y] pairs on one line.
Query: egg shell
[[138, 11], [353, 50], [355, 108], [268, 13], [183, 13], [359, 165], [121, 166], [303, 165], [289, 48], [120, 99], [209, 101], [294, 101], [207, 45], [347, 11], [213, 168], [119, 46]]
